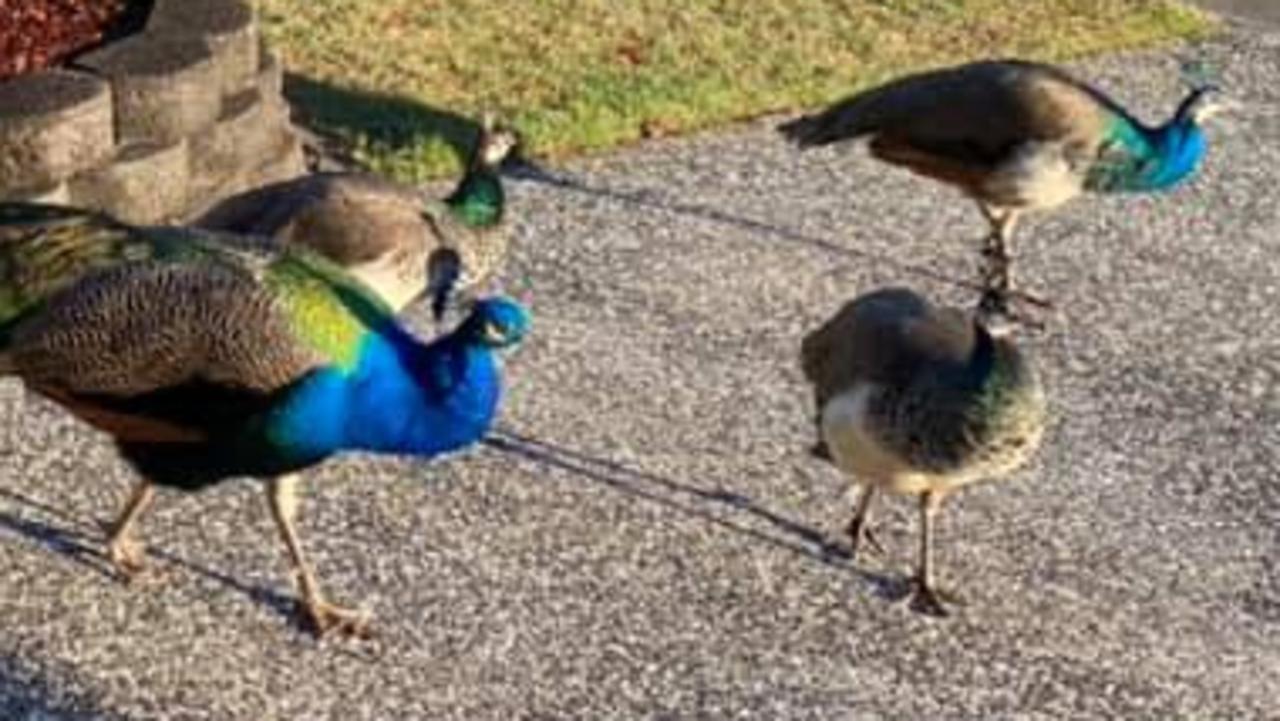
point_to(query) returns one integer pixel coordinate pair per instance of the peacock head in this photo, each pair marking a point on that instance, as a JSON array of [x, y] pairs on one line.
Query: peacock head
[[1201, 103], [495, 323], [496, 142]]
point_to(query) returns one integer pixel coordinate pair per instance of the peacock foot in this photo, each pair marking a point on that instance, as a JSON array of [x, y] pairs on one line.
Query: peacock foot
[[325, 618], [126, 555], [933, 601]]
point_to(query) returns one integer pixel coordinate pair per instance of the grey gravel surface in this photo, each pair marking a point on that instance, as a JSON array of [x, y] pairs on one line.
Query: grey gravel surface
[[647, 539]]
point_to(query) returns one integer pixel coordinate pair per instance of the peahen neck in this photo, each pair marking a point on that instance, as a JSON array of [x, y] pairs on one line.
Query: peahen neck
[[401, 397], [478, 200]]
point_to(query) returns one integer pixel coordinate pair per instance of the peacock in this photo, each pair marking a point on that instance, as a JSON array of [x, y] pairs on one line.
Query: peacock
[[920, 400], [206, 356], [1015, 136], [383, 233]]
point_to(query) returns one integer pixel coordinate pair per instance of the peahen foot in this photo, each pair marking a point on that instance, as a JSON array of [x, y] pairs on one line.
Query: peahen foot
[[125, 554], [1001, 319], [325, 618], [933, 601]]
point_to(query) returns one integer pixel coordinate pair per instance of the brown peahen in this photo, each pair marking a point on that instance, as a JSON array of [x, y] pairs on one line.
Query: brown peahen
[[920, 400], [1015, 136], [384, 233], [206, 357]]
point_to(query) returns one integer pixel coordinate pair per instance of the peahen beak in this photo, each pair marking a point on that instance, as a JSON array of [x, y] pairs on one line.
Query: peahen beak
[[444, 270]]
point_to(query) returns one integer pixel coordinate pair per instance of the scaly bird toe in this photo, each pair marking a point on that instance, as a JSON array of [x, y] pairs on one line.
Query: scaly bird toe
[[126, 555], [932, 601], [325, 618]]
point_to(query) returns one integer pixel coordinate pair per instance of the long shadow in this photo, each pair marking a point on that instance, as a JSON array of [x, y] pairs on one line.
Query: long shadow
[[792, 536], [337, 115], [532, 172], [81, 542]]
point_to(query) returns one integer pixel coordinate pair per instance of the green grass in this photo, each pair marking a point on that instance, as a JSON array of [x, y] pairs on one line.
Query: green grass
[[398, 79]]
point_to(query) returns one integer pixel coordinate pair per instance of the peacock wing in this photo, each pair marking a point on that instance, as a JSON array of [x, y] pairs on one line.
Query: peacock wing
[[161, 351], [140, 327]]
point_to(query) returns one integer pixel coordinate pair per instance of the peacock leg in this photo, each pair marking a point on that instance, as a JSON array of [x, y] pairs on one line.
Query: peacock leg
[[282, 493], [928, 598], [859, 525], [124, 552]]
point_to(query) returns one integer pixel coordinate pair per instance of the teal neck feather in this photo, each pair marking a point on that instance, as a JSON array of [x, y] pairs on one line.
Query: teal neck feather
[[1142, 159], [478, 199]]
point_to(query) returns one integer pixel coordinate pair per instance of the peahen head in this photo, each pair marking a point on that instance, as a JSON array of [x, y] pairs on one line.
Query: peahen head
[[495, 323], [495, 143], [479, 199]]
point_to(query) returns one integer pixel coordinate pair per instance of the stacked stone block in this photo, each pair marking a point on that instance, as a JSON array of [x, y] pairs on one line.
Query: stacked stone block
[[157, 126]]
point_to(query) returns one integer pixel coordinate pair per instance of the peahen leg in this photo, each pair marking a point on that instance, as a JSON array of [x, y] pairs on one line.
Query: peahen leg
[[928, 598], [859, 525], [124, 552], [997, 275], [282, 493]]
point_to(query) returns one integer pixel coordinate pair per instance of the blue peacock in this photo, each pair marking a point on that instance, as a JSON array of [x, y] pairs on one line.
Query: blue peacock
[[208, 356], [1015, 136]]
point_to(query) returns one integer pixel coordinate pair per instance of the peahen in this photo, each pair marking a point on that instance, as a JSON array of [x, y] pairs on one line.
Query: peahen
[[384, 233], [207, 357], [919, 400], [1015, 136]]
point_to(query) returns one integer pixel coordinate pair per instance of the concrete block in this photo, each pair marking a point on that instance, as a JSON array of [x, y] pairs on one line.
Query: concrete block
[[227, 26], [145, 183], [53, 124], [164, 87]]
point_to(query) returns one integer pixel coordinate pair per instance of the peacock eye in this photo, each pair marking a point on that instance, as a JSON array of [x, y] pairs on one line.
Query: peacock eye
[[495, 332]]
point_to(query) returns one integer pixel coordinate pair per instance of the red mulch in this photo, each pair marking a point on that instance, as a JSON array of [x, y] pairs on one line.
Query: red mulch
[[36, 34]]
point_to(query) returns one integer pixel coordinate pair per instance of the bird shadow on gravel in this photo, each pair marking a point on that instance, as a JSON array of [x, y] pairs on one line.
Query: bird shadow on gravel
[[81, 541], [528, 171], [711, 505]]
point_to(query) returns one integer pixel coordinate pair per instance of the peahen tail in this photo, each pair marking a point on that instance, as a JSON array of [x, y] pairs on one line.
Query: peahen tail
[[805, 131]]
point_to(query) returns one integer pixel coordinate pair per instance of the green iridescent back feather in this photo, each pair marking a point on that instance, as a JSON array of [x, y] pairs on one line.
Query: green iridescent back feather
[[45, 249]]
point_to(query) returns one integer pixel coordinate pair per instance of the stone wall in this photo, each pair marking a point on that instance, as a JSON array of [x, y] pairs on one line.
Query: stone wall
[[157, 126]]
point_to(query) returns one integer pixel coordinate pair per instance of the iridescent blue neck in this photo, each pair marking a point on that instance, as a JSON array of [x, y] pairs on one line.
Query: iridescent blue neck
[[1180, 145], [401, 398]]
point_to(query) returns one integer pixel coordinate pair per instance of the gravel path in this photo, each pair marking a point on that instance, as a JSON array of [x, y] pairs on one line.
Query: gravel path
[[646, 539]]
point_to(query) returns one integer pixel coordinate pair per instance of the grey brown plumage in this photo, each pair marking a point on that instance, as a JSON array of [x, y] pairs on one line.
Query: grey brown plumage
[[1015, 136], [920, 400], [390, 236]]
